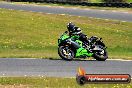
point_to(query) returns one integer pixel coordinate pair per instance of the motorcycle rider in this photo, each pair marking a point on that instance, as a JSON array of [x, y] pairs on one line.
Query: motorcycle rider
[[73, 30]]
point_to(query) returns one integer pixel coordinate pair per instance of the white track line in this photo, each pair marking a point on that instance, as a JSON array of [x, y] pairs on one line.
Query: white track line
[[106, 19], [119, 60], [79, 16], [23, 58], [123, 21], [62, 14], [60, 59], [125, 12], [48, 6], [102, 10], [49, 13], [74, 8], [61, 7], [114, 11]]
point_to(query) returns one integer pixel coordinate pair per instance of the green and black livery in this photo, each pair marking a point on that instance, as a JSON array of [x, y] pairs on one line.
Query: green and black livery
[[70, 47]]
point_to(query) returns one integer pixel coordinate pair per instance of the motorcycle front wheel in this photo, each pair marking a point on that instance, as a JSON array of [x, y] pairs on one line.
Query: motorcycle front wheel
[[66, 53]]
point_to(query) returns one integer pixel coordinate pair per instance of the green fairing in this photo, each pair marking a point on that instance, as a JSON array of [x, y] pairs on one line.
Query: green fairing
[[79, 42], [81, 52], [75, 37], [63, 37]]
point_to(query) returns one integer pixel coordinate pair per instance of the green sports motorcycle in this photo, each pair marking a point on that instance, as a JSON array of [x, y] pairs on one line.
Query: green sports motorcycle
[[71, 47]]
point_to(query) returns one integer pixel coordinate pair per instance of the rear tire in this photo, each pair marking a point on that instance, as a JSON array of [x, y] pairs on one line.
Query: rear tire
[[67, 57], [101, 58]]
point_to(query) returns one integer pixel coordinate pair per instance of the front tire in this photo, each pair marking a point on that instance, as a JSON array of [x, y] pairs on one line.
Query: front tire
[[66, 53]]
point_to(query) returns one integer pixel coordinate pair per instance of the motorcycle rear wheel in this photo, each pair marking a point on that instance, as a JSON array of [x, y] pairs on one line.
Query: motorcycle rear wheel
[[99, 57]]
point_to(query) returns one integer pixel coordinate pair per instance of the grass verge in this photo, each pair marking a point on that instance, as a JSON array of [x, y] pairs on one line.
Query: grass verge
[[34, 35], [48, 82]]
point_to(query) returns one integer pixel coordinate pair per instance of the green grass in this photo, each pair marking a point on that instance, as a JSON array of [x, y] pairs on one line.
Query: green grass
[[34, 35], [130, 1], [48, 82], [95, 1]]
